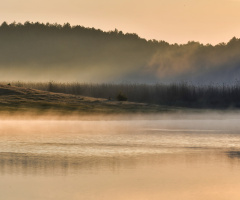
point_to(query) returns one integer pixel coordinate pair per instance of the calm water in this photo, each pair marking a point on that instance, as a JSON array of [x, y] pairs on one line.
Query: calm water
[[120, 160]]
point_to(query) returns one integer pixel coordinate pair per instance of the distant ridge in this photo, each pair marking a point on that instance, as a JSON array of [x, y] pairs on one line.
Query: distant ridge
[[44, 52]]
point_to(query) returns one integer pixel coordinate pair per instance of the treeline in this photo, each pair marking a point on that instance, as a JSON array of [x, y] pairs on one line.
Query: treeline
[[57, 44], [182, 94], [43, 52]]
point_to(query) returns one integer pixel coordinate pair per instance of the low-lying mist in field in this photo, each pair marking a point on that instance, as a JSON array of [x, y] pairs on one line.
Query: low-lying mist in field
[[42, 52]]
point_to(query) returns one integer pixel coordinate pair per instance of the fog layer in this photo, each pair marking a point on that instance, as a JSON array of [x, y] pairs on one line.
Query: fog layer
[[43, 52]]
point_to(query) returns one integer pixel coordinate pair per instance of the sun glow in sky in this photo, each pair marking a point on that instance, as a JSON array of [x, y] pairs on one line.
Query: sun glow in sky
[[175, 21]]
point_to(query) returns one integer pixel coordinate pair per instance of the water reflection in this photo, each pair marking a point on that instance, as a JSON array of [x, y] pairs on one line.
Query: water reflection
[[63, 147], [20, 163], [119, 160]]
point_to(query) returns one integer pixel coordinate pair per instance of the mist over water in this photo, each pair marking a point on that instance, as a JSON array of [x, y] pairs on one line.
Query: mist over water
[[155, 157], [53, 147]]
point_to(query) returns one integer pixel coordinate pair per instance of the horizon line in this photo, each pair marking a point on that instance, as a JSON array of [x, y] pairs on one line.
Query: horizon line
[[115, 30]]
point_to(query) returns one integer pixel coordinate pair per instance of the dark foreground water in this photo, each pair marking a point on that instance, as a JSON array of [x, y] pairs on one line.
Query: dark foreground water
[[120, 160]]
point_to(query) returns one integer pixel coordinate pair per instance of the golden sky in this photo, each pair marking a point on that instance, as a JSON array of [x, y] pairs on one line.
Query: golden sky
[[175, 21]]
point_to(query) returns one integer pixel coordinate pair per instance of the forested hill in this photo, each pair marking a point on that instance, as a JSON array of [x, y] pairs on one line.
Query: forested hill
[[43, 52]]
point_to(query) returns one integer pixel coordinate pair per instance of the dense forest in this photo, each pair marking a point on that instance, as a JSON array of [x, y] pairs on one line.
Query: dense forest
[[53, 52]]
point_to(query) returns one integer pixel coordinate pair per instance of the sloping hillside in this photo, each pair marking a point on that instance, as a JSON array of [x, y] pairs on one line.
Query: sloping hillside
[[52, 52], [18, 99]]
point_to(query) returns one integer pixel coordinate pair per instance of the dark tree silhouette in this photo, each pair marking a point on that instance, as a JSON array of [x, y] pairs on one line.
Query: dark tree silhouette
[[35, 50]]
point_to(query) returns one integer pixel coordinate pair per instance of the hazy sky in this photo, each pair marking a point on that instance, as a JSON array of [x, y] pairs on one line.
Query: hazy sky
[[207, 21]]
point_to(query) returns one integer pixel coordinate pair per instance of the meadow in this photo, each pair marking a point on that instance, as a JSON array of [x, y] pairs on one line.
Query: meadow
[[175, 94]]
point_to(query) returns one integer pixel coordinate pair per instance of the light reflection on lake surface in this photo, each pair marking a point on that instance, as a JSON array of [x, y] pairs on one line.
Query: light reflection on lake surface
[[121, 160]]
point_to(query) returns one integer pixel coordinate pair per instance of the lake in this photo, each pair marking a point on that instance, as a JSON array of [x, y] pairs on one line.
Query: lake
[[172, 159]]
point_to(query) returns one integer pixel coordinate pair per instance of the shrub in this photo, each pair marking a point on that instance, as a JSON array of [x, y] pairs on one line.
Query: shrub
[[121, 97]]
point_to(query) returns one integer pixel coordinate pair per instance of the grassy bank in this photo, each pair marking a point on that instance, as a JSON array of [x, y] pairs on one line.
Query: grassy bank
[[15, 100], [174, 95]]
